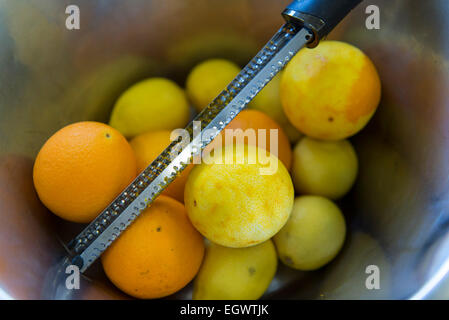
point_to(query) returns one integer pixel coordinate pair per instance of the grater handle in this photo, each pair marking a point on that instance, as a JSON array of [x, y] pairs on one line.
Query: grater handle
[[319, 16]]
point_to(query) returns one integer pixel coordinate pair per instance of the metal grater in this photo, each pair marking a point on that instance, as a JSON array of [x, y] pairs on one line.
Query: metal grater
[[100, 233]]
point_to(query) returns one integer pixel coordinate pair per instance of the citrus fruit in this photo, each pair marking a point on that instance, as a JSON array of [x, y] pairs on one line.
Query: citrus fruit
[[313, 235], [330, 92], [239, 199], [82, 168], [235, 273], [152, 104], [158, 254], [255, 121], [147, 147], [325, 168], [268, 101], [208, 79]]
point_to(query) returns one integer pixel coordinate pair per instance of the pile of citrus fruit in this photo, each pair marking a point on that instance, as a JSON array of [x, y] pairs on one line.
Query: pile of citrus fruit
[[224, 223]]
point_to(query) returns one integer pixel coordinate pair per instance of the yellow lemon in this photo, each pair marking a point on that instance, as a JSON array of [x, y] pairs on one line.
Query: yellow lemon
[[330, 92], [152, 104], [313, 235], [325, 168], [235, 273], [208, 79], [237, 199]]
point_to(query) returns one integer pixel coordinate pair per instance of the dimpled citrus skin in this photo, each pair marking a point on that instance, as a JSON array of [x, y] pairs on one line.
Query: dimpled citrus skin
[[147, 147], [235, 273], [330, 92], [233, 204], [325, 168], [313, 235], [82, 168], [152, 104], [158, 254], [208, 79], [256, 120]]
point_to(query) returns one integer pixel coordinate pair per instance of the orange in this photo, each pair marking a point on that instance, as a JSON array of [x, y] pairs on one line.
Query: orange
[[330, 92], [254, 119], [156, 255], [82, 168], [147, 147]]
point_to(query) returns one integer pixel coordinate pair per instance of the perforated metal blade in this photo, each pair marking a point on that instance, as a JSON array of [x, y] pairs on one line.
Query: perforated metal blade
[[99, 234]]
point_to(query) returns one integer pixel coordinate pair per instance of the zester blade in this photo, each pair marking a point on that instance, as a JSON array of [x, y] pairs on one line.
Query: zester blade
[[101, 232]]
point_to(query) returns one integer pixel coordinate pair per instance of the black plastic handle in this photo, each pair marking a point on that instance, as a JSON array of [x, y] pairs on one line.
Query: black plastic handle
[[320, 15]]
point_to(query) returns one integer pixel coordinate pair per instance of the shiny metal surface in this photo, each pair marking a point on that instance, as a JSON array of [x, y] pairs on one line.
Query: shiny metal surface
[[52, 76]]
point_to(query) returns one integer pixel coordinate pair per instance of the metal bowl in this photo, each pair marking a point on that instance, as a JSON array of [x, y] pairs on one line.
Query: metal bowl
[[397, 213]]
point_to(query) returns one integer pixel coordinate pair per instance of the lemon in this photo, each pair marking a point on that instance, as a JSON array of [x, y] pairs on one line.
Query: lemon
[[238, 199], [313, 235], [208, 79], [325, 168], [330, 92], [152, 104], [269, 102], [231, 274]]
